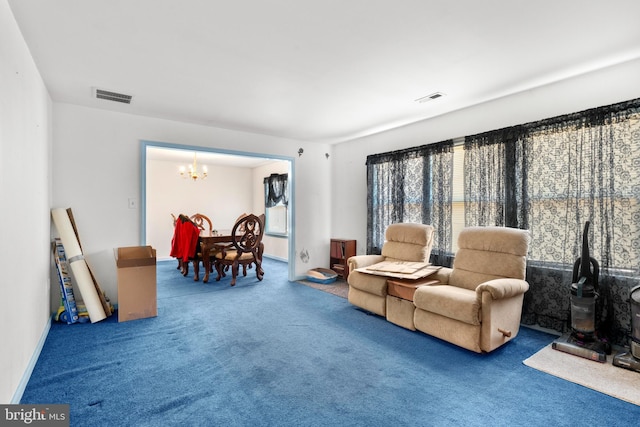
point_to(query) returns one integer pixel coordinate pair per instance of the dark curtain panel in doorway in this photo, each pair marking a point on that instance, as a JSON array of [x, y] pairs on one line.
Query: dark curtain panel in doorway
[[275, 190]]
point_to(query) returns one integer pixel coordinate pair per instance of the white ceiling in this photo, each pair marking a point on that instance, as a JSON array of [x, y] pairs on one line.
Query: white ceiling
[[317, 70]]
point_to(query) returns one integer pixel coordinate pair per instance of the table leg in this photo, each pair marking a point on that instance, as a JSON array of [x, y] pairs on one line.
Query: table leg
[[206, 262]]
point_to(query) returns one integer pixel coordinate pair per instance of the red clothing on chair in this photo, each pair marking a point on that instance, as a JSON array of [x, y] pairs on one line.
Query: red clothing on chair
[[185, 239]]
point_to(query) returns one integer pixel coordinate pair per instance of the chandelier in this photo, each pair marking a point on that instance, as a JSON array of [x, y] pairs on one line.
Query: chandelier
[[192, 171]]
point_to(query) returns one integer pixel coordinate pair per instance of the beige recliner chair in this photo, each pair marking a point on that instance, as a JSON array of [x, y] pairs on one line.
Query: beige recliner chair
[[478, 304], [403, 242]]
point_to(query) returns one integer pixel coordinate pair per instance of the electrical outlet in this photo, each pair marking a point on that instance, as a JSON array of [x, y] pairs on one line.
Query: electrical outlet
[[132, 203]]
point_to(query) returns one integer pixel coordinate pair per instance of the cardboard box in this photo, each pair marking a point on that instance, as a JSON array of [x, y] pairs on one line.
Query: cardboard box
[[137, 294]]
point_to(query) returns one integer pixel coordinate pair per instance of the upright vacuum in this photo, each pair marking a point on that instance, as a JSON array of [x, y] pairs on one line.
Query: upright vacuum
[[583, 340]]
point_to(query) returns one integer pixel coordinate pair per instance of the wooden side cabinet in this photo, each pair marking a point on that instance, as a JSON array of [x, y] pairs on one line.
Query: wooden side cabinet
[[341, 250]]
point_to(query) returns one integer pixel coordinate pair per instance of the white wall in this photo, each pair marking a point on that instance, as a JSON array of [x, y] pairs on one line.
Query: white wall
[[25, 147], [97, 169], [349, 187]]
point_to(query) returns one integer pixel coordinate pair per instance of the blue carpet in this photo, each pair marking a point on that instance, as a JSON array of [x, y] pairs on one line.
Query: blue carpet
[[278, 353]]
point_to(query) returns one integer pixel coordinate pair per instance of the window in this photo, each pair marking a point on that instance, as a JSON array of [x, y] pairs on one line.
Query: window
[[554, 175], [549, 177], [411, 186], [457, 205], [579, 173], [276, 204]]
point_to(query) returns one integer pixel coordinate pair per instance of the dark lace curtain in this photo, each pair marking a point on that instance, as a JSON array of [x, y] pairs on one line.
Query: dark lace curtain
[[589, 163], [275, 190], [413, 185], [551, 177], [495, 178]]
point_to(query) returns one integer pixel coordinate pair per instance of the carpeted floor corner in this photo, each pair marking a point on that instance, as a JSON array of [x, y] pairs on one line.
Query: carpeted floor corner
[[340, 287], [278, 353], [603, 377]]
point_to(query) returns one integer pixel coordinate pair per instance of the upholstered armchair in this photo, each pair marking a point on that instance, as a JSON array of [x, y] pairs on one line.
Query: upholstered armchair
[[403, 242], [478, 303]]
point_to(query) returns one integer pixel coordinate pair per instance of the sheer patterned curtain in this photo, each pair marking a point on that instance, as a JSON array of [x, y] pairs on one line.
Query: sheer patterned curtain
[[495, 177], [551, 177], [554, 175], [413, 185], [438, 212], [585, 167]]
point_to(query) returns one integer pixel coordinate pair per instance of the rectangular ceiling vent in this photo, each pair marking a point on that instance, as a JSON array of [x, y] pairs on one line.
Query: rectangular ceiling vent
[[108, 95], [431, 97]]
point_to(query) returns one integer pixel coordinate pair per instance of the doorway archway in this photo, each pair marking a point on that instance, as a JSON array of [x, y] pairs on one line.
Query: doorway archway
[[183, 154]]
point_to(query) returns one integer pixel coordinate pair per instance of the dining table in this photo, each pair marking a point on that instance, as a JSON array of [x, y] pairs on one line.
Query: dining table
[[208, 240]]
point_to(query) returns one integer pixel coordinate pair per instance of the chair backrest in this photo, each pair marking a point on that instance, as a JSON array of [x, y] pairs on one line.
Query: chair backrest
[[408, 242], [247, 234], [240, 217], [202, 222], [487, 253]]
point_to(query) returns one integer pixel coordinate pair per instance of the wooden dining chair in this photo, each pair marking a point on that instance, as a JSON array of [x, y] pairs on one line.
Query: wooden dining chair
[[245, 249], [204, 224], [261, 249]]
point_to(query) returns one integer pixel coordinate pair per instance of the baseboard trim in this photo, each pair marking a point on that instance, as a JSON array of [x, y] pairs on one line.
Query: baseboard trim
[[541, 329], [17, 396], [277, 258]]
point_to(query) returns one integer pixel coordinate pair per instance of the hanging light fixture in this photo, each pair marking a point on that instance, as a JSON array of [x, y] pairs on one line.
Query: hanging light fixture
[[192, 170]]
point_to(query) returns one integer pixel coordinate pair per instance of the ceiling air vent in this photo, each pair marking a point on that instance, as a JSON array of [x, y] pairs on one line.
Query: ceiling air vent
[[431, 97], [113, 96]]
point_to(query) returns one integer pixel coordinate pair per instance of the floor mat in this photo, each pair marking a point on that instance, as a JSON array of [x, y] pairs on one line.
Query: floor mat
[[603, 377], [339, 287]]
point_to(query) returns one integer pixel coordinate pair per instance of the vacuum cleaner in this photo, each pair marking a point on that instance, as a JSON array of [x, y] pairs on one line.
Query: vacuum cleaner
[[631, 359], [583, 340]]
